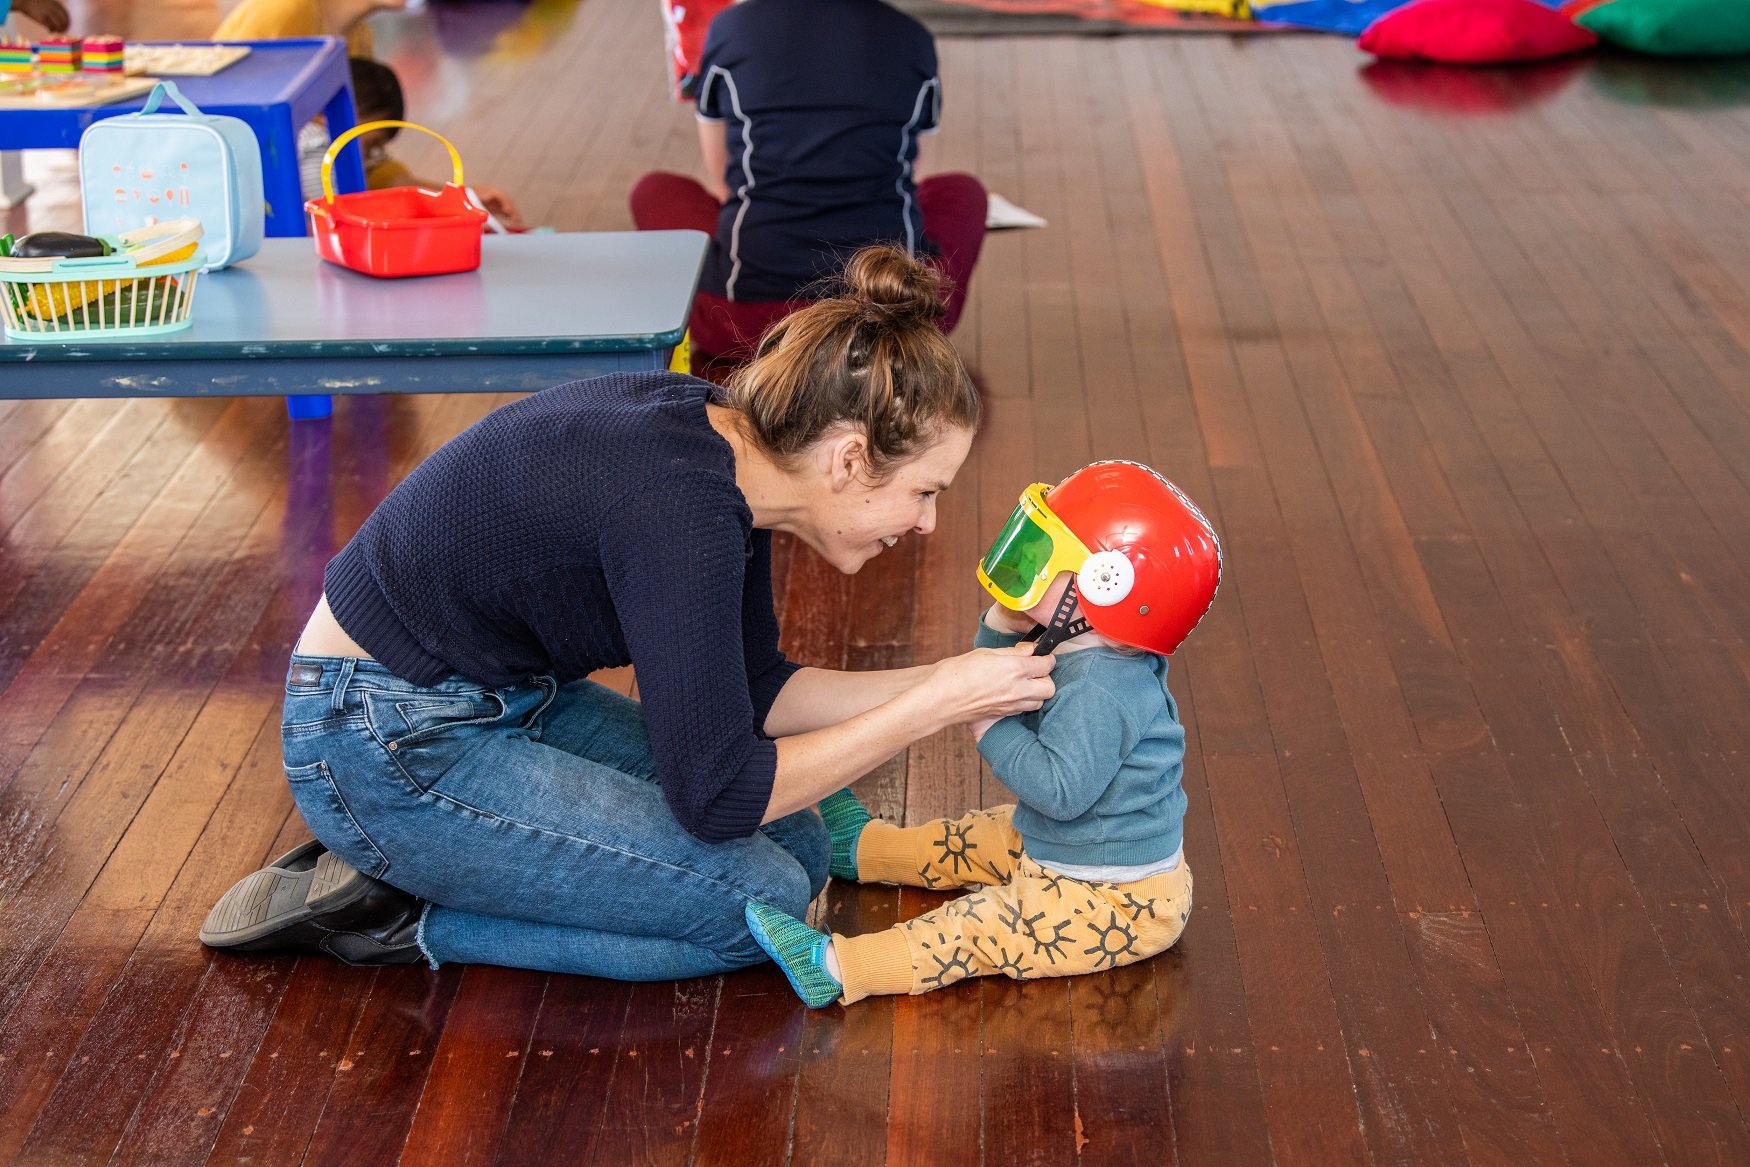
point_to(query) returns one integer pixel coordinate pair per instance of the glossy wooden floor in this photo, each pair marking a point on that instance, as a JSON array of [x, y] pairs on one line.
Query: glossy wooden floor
[[1459, 363]]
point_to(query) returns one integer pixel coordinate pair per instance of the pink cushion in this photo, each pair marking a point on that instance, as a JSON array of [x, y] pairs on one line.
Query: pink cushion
[[1475, 32]]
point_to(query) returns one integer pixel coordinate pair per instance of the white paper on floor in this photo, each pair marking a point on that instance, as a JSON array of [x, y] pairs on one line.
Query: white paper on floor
[[1001, 214]]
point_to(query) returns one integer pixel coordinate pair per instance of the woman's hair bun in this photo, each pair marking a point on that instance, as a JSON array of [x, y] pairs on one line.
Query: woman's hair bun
[[868, 354], [895, 285]]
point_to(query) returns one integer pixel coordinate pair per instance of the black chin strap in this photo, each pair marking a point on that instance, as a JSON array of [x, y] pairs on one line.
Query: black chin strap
[[1044, 638]]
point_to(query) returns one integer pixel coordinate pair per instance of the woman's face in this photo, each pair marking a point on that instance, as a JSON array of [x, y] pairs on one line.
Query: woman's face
[[858, 519]]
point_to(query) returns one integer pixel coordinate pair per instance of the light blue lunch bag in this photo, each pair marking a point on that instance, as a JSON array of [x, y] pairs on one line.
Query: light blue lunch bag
[[145, 167]]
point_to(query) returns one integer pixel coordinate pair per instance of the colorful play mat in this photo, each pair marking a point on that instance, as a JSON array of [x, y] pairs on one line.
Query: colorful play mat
[[1346, 17], [1067, 17], [1661, 27], [1444, 32]]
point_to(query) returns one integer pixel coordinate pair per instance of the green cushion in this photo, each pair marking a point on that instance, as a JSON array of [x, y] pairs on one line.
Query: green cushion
[[1672, 28]]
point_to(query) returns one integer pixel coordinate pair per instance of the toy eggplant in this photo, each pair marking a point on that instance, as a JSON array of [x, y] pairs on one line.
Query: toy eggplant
[[60, 245]]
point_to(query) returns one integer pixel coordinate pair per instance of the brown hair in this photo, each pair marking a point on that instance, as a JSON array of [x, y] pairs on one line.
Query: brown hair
[[871, 356]]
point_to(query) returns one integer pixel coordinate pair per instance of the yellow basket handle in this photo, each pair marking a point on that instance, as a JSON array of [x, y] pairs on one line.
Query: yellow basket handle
[[339, 143]]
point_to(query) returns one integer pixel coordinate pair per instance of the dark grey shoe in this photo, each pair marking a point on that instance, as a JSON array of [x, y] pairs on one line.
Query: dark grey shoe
[[310, 900]]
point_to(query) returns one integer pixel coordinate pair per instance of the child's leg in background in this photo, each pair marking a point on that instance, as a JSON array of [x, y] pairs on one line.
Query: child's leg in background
[[666, 202], [977, 849], [954, 208], [1037, 925]]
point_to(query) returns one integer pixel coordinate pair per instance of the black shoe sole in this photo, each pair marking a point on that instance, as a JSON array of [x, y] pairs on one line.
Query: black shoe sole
[[298, 886]]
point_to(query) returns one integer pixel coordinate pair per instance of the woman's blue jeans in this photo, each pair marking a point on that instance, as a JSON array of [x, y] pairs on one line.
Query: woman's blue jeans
[[530, 818]]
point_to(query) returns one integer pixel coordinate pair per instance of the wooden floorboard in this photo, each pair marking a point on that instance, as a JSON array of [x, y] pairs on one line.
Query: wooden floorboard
[[1457, 362]]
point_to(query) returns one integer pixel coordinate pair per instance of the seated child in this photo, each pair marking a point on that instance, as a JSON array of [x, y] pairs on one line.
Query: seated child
[[376, 94], [272, 20], [1088, 871]]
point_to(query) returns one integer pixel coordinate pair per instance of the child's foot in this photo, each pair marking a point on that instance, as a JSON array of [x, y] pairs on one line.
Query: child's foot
[[845, 816], [799, 950]]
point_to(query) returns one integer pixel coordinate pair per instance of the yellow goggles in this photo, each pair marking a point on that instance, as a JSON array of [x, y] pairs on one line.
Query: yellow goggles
[[1029, 551]]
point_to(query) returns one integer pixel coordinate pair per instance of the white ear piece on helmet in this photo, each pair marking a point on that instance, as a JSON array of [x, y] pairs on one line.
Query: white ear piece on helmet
[[1105, 578]]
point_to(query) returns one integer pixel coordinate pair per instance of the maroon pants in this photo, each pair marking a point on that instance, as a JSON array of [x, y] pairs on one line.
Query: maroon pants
[[953, 208]]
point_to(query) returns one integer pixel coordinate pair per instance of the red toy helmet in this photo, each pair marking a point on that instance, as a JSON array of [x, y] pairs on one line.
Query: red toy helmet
[[1147, 562]]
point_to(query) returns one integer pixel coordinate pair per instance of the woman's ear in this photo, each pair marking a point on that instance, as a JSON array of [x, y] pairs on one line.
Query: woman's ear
[[847, 454]]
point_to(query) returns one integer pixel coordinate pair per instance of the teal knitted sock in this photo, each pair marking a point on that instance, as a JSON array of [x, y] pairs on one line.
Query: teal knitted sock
[[845, 816], [799, 950]]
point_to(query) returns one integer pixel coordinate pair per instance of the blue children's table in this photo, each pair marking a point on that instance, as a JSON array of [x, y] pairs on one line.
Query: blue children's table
[[541, 309], [278, 88]]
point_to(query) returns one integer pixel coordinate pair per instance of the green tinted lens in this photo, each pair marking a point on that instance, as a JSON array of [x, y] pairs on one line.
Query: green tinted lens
[[1019, 554]]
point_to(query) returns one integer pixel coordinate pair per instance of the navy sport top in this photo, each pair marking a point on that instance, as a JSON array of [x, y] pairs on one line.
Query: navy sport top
[[822, 102], [588, 526]]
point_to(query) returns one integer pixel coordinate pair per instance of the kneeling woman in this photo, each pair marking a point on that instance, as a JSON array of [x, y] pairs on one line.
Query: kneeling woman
[[475, 798]]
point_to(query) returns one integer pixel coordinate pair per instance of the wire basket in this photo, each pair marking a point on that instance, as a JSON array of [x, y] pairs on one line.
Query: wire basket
[[145, 288]]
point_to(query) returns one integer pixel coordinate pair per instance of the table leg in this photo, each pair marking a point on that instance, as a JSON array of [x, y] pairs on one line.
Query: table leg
[[349, 168], [279, 172], [349, 176], [309, 407], [13, 189]]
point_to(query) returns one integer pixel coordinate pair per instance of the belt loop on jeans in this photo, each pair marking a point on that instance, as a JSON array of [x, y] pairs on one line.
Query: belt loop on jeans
[[337, 699]]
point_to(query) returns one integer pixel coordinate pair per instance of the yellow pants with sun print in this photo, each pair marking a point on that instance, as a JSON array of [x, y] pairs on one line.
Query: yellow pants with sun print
[[1023, 921]]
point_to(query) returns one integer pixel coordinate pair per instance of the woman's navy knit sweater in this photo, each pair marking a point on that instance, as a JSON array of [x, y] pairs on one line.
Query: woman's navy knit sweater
[[590, 525]]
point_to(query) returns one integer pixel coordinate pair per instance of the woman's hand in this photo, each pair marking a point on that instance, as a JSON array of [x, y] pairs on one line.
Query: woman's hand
[[990, 683], [832, 728]]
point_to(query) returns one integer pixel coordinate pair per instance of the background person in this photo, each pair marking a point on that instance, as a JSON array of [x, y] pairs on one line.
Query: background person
[[811, 117], [271, 20], [377, 95], [48, 13]]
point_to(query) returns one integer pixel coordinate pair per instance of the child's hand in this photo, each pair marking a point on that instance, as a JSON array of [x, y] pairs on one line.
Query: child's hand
[[981, 726], [502, 208], [1001, 619], [47, 13]]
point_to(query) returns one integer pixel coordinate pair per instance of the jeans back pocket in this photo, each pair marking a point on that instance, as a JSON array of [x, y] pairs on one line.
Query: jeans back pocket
[[331, 820]]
